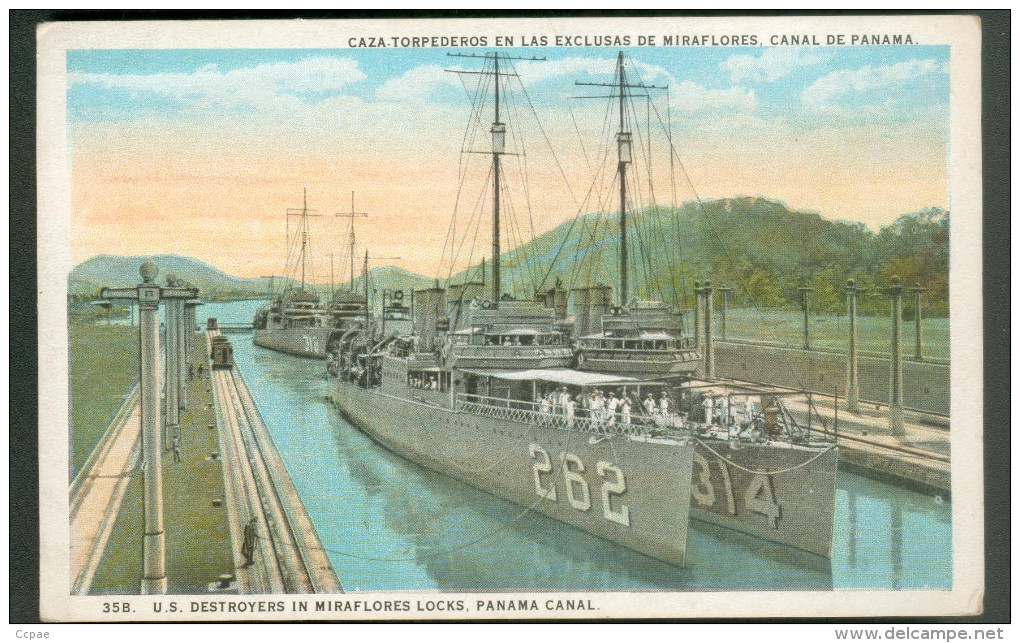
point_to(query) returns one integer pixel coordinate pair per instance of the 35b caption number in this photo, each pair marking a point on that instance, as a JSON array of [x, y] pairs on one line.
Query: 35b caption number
[[578, 492], [116, 608]]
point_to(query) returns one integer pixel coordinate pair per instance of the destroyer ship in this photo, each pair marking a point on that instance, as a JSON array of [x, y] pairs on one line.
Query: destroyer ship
[[466, 399], [759, 467], [554, 411], [298, 322]]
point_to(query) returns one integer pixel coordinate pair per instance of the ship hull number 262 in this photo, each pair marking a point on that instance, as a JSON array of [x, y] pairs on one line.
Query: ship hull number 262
[[578, 493]]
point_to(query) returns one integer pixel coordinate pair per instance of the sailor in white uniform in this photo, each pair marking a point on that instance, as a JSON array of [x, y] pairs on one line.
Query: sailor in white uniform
[[614, 403], [650, 405], [708, 404], [664, 413]]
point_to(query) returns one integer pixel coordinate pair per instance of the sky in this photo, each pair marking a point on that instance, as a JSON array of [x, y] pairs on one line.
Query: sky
[[201, 152]]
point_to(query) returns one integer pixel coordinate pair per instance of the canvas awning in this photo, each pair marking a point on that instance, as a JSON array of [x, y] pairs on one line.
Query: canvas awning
[[556, 375]]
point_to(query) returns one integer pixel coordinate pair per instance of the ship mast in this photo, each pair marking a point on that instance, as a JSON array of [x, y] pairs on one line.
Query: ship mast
[[304, 213], [350, 236], [498, 132], [624, 138], [304, 236], [498, 142], [368, 313]]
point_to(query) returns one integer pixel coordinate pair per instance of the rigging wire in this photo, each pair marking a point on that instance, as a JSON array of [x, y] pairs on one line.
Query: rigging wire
[[756, 305]]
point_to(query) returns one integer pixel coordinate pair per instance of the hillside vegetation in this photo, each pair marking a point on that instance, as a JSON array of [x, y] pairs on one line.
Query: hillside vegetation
[[759, 247]]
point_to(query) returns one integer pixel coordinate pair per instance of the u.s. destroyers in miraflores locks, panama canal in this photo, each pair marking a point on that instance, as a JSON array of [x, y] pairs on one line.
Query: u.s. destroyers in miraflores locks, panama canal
[[607, 321]]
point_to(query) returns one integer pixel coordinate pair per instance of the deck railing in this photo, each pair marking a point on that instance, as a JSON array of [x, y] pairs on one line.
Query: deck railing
[[533, 413]]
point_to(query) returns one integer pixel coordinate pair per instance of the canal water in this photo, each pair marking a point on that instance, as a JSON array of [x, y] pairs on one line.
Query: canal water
[[389, 524]]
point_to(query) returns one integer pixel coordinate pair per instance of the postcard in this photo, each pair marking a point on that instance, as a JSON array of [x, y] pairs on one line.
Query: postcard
[[522, 318]]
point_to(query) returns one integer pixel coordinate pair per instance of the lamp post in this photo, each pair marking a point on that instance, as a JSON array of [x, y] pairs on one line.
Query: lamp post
[[852, 387], [805, 299], [725, 290], [895, 291], [148, 295], [697, 314], [709, 340], [918, 290]]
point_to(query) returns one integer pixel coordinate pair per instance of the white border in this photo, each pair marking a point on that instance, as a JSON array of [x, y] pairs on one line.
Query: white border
[[961, 33]]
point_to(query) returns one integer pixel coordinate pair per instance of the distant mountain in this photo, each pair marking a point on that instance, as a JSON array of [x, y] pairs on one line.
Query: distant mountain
[[111, 270], [90, 276], [393, 278], [760, 247]]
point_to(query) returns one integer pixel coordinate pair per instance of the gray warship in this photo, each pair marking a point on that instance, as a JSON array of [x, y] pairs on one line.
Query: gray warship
[[760, 467], [536, 405], [297, 322], [463, 398]]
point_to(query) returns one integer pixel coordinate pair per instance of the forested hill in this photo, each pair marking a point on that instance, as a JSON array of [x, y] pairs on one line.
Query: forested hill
[[757, 246]]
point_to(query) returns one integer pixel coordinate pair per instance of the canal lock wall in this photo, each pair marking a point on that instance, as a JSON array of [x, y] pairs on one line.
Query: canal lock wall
[[925, 383]]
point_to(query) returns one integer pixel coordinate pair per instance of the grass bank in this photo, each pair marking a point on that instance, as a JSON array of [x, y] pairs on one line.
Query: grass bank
[[104, 363], [832, 331], [197, 533]]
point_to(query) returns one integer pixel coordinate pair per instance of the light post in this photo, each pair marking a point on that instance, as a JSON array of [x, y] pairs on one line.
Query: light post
[[918, 291], [895, 291], [148, 295], [697, 314], [709, 340], [725, 290], [805, 298], [852, 387]]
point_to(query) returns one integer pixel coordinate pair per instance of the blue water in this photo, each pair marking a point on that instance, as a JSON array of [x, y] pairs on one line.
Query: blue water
[[392, 525]]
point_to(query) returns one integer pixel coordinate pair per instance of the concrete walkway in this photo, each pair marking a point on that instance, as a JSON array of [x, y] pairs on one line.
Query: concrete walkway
[[98, 490], [289, 557], [919, 459]]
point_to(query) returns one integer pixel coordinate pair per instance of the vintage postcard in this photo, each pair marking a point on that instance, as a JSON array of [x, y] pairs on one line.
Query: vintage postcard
[[510, 318]]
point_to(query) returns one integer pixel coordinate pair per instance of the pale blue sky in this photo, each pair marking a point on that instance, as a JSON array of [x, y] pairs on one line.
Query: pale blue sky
[[815, 86]]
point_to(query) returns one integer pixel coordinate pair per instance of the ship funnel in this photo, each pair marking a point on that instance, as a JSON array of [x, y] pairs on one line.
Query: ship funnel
[[591, 303], [429, 311]]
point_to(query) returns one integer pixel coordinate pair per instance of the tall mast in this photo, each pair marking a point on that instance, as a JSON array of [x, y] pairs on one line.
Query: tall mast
[[304, 213], [352, 240], [350, 235], [498, 140], [498, 145], [304, 236], [623, 142], [622, 136], [364, 274]]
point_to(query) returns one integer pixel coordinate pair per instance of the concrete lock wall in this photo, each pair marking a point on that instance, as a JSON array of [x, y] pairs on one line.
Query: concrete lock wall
[[925, 384]]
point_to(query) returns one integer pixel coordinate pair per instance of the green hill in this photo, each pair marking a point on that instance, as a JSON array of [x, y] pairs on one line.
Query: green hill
[[90, 276], [757, 246]]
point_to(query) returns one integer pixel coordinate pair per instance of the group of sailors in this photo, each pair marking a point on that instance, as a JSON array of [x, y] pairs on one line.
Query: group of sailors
[[620, 407], [727, 410], [426, 382], [606, 408]]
